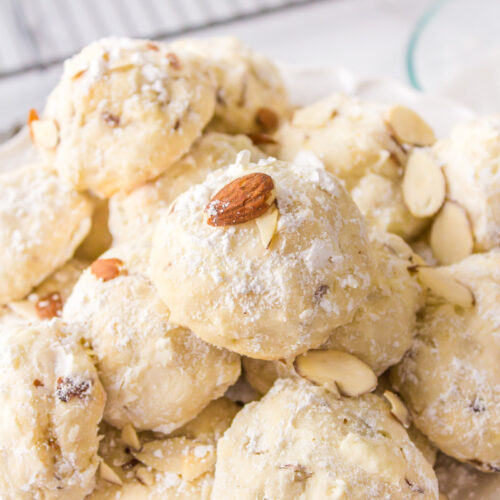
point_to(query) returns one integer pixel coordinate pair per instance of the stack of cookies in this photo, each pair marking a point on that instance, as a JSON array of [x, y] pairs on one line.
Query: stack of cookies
[[208, 294]]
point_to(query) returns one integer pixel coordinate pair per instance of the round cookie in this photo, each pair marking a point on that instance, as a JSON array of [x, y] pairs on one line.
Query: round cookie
[[251, 95], [145, 476], [157, 375], [122, 113], [267, 303], [357, 143], [449, 378], [42, 221], [52, 402], [471, 164], [384, 325], [135, 213], [300, 441]]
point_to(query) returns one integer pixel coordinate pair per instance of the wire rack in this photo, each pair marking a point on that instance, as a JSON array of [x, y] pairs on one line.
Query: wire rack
[[37, 35]]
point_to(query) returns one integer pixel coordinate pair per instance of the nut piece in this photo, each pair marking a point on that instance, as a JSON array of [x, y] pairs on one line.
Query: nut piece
[[44, 133], [106, 269], [32, 116], [180, 455], [258, 139], [332, 368], [144, 475], [315, 115], [267, 119], [267, 225], [451, 237], [130, 437], [398, 408], [446, 286], [424, 186], [50, 306], [108, 474], [409, 127], [242, 200]]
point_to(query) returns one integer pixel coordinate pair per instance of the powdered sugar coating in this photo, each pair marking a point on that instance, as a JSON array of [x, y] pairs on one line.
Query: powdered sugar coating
[[52, 402], [450, 377], [246, 82], [42, 221], [471, 163], [354, 141], [300, 441], [231, 291], [157, 375], [126, 110], [137, 212]]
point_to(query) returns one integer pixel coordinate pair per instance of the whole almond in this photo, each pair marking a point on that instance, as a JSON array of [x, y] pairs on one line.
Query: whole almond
[[267, 119], [50, 306], [106, 269], [242, 200]]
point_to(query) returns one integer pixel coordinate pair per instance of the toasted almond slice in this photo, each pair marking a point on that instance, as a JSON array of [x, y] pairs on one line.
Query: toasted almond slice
[[45, 133], [144, 475], [108, 474], [446, 286], [352, 376], [267, 225], [315, 115], [409, 127], [24, 308], [451, 237], [424, 186], [398, 408], [130, 438], [50, 306], [183, 456], [106, 269]]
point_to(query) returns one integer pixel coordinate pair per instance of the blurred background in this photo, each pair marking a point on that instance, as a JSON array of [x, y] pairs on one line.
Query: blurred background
[[443, 47]]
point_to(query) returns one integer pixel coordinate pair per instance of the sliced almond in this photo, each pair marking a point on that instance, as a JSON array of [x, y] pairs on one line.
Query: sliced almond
[[242, 200], [144, 475], [409, 127], [424, 186], [130, 438], [24, 308], [398, 408], [180, 455], [267, 225], [451, 237], [106, 269], [50, 306], [316, 115], [45, 133], [446, 286], [330, 368], [108, 474]]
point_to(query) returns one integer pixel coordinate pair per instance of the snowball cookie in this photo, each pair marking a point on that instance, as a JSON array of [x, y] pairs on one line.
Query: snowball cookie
[[122, 113], [157, 375], [42, 221], [136, 212], [222, 282], [251, 95], [357, 144], [449, 378], [46, 301], [384, 325], [471, 159], [177, 467], [300, 441], [52, 402]]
